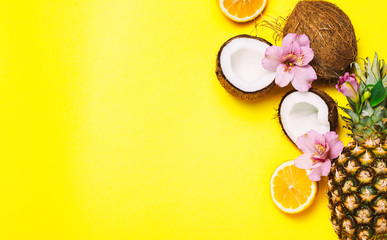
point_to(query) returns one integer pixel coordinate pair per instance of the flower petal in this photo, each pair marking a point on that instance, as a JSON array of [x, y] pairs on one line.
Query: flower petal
[[334, 144], [348, 90], [317, 137], [306, 143], [307, 55], [352, 80], [273, 58], [315, 174], [304, 161], [283, 76], [303, 77], [303, 40], [290, 37], [349, 86], [336, 149], [326, 168], [292, 48], [331, 137], [317, 164]]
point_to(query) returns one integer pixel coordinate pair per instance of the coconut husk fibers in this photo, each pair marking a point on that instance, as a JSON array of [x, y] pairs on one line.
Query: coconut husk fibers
[[333, 115], [229, 87], [331, 35]]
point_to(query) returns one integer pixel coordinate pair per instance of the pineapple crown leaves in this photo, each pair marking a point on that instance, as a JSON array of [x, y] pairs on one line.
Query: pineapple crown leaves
[[367, 112], [373, 81]]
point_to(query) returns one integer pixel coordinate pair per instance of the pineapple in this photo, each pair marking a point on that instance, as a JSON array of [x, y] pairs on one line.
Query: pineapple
[[357, 182]]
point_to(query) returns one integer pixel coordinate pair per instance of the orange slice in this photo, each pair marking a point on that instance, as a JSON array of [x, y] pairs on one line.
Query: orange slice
[[291, 189], [242, 10]]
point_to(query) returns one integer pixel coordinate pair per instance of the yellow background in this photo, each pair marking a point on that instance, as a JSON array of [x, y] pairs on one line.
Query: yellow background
[[114, 126]]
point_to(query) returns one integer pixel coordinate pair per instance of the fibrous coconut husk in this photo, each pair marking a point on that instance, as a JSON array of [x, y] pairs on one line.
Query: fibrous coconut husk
[[331, 35]]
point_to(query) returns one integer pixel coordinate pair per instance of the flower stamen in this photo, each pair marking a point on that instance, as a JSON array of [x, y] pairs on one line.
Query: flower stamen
[[320, 148]]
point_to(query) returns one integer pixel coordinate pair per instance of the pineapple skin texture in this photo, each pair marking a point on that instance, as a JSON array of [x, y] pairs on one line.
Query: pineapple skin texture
[[357, 191]]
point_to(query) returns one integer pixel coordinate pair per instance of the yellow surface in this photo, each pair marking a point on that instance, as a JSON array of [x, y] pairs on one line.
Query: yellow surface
[[114, 126]]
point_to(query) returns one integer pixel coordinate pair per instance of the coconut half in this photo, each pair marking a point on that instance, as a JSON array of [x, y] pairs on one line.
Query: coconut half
[[239, 67], [300, 112]]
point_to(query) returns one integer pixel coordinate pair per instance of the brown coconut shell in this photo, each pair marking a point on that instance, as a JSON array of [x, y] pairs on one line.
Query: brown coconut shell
[[229, 87], [331, 35], [333, 115]]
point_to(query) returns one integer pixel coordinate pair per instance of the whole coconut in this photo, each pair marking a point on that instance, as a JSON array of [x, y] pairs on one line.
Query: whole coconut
[[331, 35]]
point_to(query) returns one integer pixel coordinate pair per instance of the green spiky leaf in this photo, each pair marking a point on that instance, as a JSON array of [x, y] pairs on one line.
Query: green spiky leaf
[[355, 118], [367, 110], [383, 103], [378, 94], [371, 79], [359, 72], [369, 86], [380, 126], [366, 121], [367, 65], [383, 69], [375, 67], [384, 81], [351, 104], [367, 132], [378, 114], [359, 127], [347, 119], [362, 86]]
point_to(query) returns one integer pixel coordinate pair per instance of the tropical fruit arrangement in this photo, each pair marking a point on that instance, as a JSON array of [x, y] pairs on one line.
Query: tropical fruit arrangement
[[318, 44]]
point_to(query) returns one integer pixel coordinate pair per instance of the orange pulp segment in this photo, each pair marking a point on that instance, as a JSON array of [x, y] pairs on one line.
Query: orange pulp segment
[[291, 189], [242, 10]]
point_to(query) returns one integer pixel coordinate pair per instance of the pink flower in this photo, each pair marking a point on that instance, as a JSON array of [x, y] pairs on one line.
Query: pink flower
[[318, 151], [291, 62], [349, 86]]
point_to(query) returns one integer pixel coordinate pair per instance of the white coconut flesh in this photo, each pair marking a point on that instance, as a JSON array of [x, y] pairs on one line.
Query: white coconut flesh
[[241, 64], [301, 112]]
